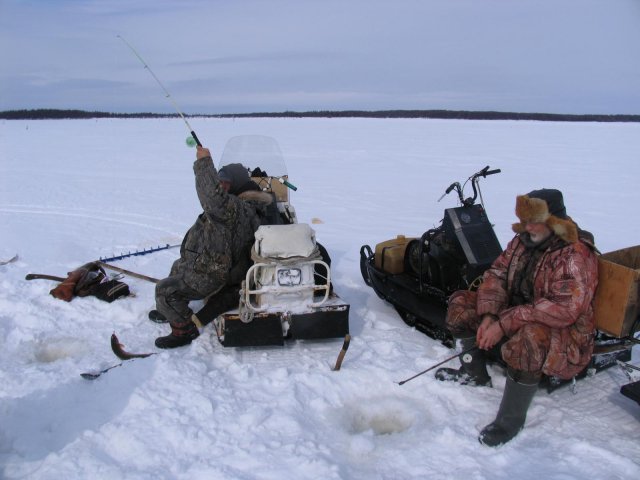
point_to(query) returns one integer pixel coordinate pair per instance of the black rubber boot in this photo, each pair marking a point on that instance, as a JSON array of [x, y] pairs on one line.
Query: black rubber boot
[[513, 409], [156, 316], [473, 369], [178, 337]]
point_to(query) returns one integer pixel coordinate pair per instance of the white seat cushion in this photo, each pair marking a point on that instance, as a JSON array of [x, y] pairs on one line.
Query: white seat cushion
[[285, 241]]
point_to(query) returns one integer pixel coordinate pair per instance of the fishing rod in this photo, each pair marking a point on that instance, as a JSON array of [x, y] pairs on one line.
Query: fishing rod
[[448, 359], [166, 92]]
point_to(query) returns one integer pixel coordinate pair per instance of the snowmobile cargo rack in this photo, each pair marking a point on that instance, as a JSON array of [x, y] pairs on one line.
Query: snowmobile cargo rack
[[617, 301]]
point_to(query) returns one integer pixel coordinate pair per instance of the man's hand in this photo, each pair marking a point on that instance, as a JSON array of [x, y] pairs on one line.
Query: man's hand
[[202, 152], [489, 332]]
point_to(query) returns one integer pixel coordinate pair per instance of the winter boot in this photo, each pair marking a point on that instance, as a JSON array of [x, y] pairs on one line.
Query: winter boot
[[513, 408], [156, 316], [178, 337], [473, 370]]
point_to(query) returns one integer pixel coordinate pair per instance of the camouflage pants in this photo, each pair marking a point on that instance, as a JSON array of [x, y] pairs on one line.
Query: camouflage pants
[[172, 300], [525, 351]]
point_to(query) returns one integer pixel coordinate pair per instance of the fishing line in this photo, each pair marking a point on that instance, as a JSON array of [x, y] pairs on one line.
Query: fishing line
[[166, 92]]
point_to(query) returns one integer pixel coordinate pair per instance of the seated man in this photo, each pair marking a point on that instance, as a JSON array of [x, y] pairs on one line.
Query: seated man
[[215, 252], [537, 298]]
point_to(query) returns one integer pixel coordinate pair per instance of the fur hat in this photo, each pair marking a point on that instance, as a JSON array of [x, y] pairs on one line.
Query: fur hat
[[545, 206]]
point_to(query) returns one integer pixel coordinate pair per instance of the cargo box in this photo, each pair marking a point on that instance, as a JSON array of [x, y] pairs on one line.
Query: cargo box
[[617, 302], [271, 184], [389, 255]]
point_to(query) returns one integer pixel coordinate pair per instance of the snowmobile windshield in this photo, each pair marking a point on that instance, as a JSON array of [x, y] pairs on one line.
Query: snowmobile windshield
[[255, 151]]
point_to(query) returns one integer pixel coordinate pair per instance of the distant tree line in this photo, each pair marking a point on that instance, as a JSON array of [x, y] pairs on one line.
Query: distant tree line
[[55, 114], [447, 114], [47, 113]]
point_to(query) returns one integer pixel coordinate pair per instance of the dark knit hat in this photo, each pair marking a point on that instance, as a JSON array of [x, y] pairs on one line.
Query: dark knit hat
[[236, 174], [554, 199], [545, 206]]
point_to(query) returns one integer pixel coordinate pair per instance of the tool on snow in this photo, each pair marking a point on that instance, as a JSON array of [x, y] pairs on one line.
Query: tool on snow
[[88, 280], [12, 259], [448, 359], [121, 353], [137, 253], [94, 375], [128, 272], [167, 94], [345, 347], [43, 276]]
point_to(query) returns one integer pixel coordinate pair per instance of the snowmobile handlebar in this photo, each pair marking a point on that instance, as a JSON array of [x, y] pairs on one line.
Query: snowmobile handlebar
[[485, 171], [458, 188], [474, 184], [455, 185]]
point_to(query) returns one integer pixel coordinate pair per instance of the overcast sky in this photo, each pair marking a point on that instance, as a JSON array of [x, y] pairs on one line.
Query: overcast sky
[[236, 56]]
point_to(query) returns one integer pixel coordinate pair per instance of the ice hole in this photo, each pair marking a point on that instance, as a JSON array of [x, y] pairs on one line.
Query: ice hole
[[57, 349], [381, 419]]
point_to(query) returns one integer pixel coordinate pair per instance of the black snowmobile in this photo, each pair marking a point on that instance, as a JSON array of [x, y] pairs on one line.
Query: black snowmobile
[[417, 276]]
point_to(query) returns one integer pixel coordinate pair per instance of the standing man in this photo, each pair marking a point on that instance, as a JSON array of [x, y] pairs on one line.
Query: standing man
[[215, 252], [536, 298]]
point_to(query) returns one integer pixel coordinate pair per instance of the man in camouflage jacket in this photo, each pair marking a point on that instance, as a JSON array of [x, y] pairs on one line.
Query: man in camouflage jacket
[[215, 252], [537, 299]]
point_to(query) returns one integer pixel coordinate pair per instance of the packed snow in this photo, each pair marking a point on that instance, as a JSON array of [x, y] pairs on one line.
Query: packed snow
[[74, 191]]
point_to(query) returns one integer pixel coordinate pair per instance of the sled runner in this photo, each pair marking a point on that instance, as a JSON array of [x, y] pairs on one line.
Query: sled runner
[[417, 276], [287, 292], [632, 391]]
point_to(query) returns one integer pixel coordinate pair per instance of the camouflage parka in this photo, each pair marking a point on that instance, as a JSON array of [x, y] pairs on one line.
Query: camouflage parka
[[216, 249], [565, 278]]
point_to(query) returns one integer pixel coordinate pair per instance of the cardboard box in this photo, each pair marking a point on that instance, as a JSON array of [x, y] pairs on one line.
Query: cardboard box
[[272, 184], [617, 303]]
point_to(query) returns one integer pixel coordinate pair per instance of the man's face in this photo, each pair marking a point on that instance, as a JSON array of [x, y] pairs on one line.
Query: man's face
[[226, 186], [538, 232]]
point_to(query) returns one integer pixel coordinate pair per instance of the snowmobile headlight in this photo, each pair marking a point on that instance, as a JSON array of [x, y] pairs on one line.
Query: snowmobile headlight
[[289, 277]]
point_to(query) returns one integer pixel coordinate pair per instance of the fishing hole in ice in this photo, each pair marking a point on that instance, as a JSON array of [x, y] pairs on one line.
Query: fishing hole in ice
[[382, 416]]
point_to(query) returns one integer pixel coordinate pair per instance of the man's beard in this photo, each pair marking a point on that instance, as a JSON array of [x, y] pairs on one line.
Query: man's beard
[[531, 243]]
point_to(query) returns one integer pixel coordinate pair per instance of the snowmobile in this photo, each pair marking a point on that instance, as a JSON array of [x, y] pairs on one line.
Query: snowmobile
[[287, 293], [417, 276]]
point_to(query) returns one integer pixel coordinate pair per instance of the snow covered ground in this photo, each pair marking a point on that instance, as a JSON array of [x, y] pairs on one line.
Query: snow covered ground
[[73, 191]]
